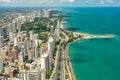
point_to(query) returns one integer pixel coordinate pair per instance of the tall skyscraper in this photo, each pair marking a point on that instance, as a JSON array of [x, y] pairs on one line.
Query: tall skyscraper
[[1, 64], [9, 27], [3, 32], [31, 35], [15, 41], [1, 42], [35, 37], [11, 36], [45, 62], [21, 57], [23, 50], [45, 13], [13, 53], [14, 28], [17, 23], [52, 30], [43, 74], [36, 49], [51, 45]]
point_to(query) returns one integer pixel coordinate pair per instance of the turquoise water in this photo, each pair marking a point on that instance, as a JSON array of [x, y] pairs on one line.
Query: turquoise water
[[95, 59]]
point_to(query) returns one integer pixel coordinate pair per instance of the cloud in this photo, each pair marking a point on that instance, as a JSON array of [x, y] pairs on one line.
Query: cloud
[[110, 1], [67, 0], [7, 1], [71, 0], [40, 2], [101, 2], [58, 2]]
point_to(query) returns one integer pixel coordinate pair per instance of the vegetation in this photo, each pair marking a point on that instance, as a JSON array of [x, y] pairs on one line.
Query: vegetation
[[27, 61], [39, 26], [1, 74], [26, 68], [66, 76], [54, 52], [44, 36], [52, 66], [57, 42], [48, 74], [16, 72], [62, 36], [27, 26]]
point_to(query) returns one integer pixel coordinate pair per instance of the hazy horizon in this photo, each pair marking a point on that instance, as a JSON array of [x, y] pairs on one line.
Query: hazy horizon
[[59, 3]]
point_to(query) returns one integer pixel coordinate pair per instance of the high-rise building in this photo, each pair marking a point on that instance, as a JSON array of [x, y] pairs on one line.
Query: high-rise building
[[14, 28], [34, 75], [31, 35], [36, 49], [43, 74], [23, 75], [51, 45], [33, 15], [22, 18], [45, 13], [21, 66], [52, 30], [39, 14], [23, 50], [1, 64], [28, 46], [11, 36], [21, 57], [15, 41], [12, 72], [35, 37], [30, 55], [9, 27], [13, 53], [1, 42], [3, 32], [37, 42], [45, 62], [17, 23]]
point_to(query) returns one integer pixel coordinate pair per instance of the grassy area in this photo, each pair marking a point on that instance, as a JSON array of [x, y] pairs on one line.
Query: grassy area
[[39, 26], [50, 71]]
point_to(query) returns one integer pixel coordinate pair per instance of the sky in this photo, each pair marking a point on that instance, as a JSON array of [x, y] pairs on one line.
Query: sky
[[59, 3]]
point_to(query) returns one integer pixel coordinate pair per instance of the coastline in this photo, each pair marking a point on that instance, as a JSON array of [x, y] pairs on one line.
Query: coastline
[[69, 65], [88, 35], [84, 36], [68, 62]]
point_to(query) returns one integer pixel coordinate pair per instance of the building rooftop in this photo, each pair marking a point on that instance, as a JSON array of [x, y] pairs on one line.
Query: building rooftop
[[44, 55], [44, 47]]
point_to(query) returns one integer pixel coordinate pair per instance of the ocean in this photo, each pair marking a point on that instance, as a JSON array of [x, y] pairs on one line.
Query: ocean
[[95, 59]]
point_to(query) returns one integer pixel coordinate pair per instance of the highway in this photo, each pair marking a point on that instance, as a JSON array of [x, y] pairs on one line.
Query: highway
[[54, 75], [62, 65]]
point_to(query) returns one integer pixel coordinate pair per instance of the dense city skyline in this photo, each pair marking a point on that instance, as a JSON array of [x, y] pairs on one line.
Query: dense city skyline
[[61, 3]]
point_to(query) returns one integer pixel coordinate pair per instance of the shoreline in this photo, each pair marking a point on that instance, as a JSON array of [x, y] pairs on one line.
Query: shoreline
[[88, 35], [69, 64], [84, 36]]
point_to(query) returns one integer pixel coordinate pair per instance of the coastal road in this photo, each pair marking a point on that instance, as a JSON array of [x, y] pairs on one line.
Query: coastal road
[[62, 65], [54, 75]]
